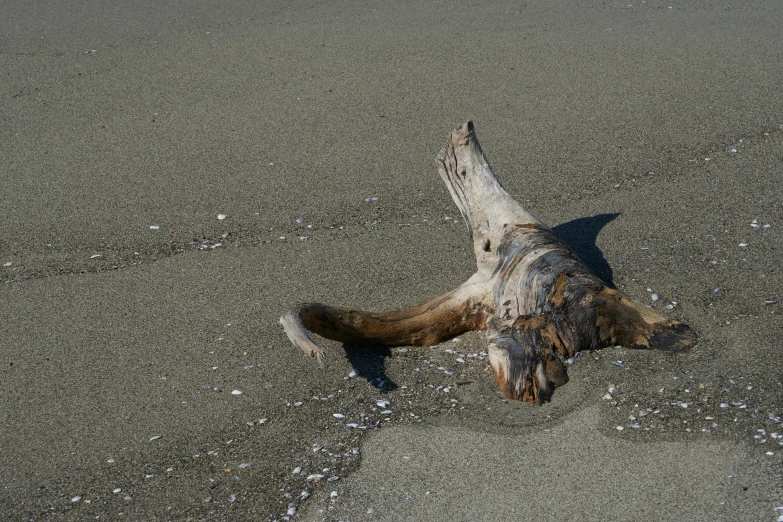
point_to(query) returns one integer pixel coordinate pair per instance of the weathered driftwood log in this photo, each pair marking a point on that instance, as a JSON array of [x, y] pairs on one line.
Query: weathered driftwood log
[[537, 301]]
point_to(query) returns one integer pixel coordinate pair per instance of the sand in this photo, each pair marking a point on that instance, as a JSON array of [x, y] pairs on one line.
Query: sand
[[649, 135]]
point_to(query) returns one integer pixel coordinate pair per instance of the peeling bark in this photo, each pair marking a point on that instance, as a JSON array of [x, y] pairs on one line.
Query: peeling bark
[[537, 301]]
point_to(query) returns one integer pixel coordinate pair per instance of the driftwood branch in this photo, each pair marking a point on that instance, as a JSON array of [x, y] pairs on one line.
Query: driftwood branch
[[537, 301]]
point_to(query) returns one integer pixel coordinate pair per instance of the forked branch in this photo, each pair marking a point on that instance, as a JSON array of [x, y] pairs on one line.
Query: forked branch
[[536, 299]]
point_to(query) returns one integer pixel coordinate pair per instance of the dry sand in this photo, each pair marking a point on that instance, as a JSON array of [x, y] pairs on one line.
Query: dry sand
[[650, 134]]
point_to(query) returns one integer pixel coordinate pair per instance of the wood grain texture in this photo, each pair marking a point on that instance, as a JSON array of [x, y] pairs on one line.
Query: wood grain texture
[[537, 301]]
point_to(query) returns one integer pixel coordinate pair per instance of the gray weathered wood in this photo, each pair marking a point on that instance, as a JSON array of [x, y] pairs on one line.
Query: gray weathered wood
[[537, 301]]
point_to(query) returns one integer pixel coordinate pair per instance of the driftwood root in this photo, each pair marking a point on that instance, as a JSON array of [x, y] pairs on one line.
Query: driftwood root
[[537, 301]]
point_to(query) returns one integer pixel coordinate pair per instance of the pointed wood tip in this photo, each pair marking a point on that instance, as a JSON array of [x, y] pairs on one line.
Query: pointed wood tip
[[292, 324], [674, 336], [463, 134]]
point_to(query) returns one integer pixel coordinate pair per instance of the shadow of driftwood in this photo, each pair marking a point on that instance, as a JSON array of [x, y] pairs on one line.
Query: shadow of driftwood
[[580, 234], [369, 362]]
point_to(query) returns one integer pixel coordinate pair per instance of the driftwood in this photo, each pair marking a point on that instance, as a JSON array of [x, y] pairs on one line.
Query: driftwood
[[537, 301]]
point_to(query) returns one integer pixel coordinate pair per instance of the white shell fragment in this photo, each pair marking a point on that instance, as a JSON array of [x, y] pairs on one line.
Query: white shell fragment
[[334, 494], [154, 227], [244, 465], [382, 403], [156, 437], [77, 498], [338, 415], [297, 470], [353, 374], [221, 217], [116, 490], [236, 392], [654, 297]]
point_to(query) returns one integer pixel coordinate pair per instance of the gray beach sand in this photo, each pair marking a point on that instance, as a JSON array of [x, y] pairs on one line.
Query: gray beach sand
[[649, 134]]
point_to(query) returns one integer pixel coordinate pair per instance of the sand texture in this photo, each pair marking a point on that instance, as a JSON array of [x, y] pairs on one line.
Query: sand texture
[[648, 134]]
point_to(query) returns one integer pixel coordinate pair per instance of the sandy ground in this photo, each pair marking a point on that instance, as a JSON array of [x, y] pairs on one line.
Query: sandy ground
[[649, 133]]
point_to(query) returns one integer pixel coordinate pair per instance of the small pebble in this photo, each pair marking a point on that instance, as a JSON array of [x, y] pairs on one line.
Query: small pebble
[[221, 217], [297, 470], [654, 297]]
